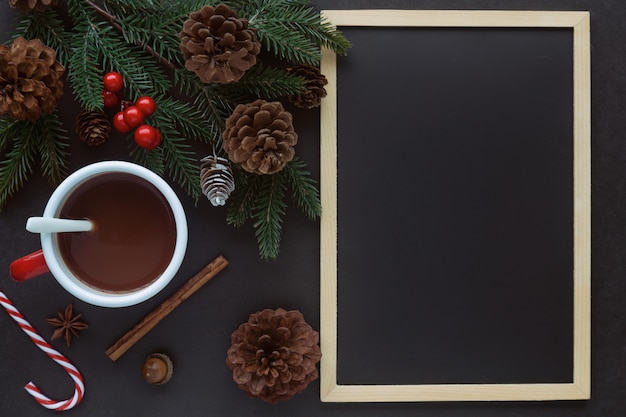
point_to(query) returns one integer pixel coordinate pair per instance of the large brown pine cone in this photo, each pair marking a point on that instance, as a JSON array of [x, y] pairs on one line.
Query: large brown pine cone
[[274, 355], [314, 86], [217, 45], [36, 5], [260, 137], [93, 127], [30, 79]]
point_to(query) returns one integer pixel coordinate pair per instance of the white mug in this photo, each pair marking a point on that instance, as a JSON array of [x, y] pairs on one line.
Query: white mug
[[50, 259]]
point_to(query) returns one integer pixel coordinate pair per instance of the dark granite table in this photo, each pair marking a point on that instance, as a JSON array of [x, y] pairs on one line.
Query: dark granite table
[[197, 334]]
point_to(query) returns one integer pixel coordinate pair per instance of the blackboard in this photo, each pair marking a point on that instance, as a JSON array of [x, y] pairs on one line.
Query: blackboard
[[455, 254]]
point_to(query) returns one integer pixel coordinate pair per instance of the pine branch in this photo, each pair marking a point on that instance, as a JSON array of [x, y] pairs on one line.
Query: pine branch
[[156, 26], [117, 24], [52, 148], [243, 198], [48, 27], [106, 50], [18, 163], [179, 162], [265, 82], [291, 29], [276, 37], [214, 107], [304, 190], [142, 75], [269, 211], [83, 72], [151, 159], [187, 118]]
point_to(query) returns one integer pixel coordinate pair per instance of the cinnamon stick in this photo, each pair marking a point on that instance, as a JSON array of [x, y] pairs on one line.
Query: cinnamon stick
[[153, 318]]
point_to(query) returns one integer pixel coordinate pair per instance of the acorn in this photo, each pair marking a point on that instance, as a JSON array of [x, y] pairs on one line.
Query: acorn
[[157, 369]]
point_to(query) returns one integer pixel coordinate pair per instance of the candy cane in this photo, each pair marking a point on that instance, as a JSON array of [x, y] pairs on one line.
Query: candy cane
[[79, 386]]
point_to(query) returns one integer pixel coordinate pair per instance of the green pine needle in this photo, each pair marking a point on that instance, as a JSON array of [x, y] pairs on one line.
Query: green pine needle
[[83, 72], [190, 120], [52, 148], [243, 198], [291, 29], [179, 162], [149, 158], [264, 82], [303, 187], [17, 164], [269, 211], [48, 27]]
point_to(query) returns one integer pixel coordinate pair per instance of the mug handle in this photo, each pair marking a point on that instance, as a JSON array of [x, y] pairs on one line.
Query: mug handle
[[28, 266]]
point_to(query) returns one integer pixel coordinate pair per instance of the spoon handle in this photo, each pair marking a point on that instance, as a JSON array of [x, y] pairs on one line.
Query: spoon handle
[[55, 225]]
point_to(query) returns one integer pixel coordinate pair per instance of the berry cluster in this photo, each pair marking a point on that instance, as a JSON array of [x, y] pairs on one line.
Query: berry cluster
[[131, 115]]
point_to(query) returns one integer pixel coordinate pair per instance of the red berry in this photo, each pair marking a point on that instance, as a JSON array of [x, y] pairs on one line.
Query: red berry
[[147, 137], [110, 99], [133, 116], [119, 124], [113, 81], [147, 105]]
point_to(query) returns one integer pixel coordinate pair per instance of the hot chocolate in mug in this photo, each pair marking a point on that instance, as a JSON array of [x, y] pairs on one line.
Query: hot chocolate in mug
[[136, 244]]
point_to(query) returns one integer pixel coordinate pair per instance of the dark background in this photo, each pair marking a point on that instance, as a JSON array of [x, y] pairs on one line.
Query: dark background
[[197, 334]]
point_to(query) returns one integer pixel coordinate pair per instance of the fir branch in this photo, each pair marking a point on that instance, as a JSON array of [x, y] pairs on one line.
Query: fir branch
[[179, 161], [48, 27], [243, 198], [189, 120], [215, 108], [18, 163], [141, 74], [155, 26], [151, 159], [292, 29], [269, 211], [52, 148], [117, 24], [264, 82], [287, 44], [83, 72], [304, 190]]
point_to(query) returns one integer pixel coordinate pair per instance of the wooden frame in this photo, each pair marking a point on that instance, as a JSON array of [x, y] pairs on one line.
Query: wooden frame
[[580, 388]]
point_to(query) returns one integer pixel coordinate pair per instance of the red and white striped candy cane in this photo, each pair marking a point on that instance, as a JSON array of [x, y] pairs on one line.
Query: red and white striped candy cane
[[79, 385]]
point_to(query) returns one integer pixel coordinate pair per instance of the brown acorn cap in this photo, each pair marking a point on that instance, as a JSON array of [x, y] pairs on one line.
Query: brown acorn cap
[[157, 369]]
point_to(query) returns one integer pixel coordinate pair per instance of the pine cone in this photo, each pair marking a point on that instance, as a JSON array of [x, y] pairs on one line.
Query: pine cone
[[30, 79], [29, 5], [260, 137], [216, 179], [217, 45], [314, 92], [274, 355], [93, 127]]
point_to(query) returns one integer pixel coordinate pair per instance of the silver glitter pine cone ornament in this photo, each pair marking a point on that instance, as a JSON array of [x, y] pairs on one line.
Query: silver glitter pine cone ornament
[[216, 179]]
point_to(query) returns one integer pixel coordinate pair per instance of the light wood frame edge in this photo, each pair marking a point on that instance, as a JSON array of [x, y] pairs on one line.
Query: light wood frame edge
[[580, 388]]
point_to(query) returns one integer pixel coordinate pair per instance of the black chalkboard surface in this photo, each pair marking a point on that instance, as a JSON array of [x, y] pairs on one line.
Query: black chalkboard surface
[[455, 212]]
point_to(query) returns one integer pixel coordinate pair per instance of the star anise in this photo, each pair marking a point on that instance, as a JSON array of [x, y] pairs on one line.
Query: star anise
[[67, 324]]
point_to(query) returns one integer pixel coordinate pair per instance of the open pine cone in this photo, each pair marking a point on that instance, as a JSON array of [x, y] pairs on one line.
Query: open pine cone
[[274, 355], [29, 5], [30, 79], [260, 137], [217, 45], [93, 127], [314, 86]]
